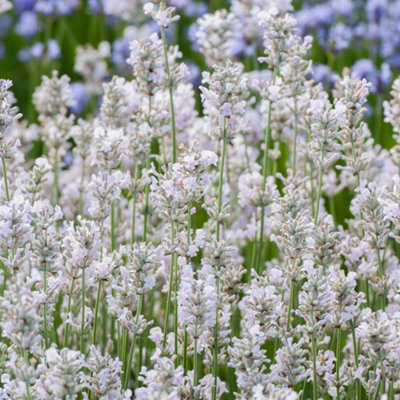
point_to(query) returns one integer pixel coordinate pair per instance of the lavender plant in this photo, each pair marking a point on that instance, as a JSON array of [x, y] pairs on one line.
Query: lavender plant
[[171, 237]]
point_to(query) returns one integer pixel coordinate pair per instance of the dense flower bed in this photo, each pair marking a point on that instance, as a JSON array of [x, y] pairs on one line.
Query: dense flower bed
[[191, 209]]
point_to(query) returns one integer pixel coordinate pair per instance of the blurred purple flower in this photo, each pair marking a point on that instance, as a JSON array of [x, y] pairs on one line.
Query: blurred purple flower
[[27, 24], [80, 96], [365, 68], [24, 5]]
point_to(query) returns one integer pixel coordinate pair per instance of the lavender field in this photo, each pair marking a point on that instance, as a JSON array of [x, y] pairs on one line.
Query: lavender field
[[200, 200]]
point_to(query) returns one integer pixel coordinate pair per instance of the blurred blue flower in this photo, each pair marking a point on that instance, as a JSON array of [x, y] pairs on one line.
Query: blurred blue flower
[[38, 51], [80, 96], [95, 6], [24, 5], [376, 9], [56, 7], [321, 73], [119, 55], [27, 24], [365, 68], [340, 37]]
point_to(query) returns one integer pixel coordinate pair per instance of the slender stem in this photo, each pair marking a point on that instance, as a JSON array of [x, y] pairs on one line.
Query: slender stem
[[391, 389], [171, 95], [80, 211], [355, 350], [46, 339], [367, 292], [195, 358], [220, 184], [185, 336], [314, 358], [55, 183], [83, 312], [113, 241], [221, 178], [185, 341], [132, 349], [253, 251], [66, 335], [147, 187], [146, 206], [381, 274], [312, 188], [134, 205], [5, 179], [216, 348], [96, 311], [338, 358], [124, 353], [176, 315], [28, 393], [260, 241], [353, 152], [5, 271], [171, 279], [318, 196], [267, 142], [303, 389], [291, 297], [295, 136], [189, 225], [164, 150]]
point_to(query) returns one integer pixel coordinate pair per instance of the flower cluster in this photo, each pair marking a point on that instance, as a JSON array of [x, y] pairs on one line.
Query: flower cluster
[[171, 233]]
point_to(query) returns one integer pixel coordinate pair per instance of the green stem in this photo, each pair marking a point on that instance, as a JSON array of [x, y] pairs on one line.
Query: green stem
[[176, 314], [5, 179], [314, 360], [195, 358], [391, 389], [221, 178], [171, 279], [267, 142], [185, 340], [295, 136], [46, 339], [355, 350], [28, 393], [338, 358], [113, 241], [66, 335], [367, 292], [124, 354], [216, 349], [353, 152], [134, 205], [185, 336], [189, 225], [381, 275], [171, 95], [96, 311], [146, 206], [318, 196], [56, 194], [132, 349], [291, 297], [83, 312], [80, 211], [220, 184]]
